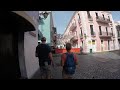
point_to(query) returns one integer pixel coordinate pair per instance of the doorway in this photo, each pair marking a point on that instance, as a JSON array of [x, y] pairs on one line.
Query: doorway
[[9, 63], [108, 44], [102, 45]]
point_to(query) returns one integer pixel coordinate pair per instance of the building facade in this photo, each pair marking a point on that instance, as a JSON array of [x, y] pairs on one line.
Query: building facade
[[93, 30], [60, 41], [18, 38], [117, 26], [47, 29]]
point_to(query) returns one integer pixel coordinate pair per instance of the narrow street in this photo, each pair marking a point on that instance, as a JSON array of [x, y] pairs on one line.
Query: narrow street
[[85, 31], [105, 65]]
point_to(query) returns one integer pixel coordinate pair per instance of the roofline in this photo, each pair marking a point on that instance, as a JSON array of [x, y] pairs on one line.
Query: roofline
[[107, 12], [70, 21]]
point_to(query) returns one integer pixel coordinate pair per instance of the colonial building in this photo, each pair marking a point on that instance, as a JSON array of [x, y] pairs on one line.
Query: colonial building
[[117, 25], [93, 30]]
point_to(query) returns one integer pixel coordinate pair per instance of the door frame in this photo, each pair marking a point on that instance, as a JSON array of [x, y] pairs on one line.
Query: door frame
[[101, 45]]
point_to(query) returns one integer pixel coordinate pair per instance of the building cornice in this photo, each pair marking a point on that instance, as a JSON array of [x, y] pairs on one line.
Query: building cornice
[[70, 21], [107, 12]]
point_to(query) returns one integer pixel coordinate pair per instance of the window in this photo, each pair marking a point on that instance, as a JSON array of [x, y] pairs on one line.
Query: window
[[118, 30], [109, 18], [82, 43], [88, 13], [101, 41], [103, 16], [79, 16], [106, 30], [112, 31], [118, 33], [96, 15], [79, 20], [102, 45], [100, 30], [81, 31], [108, 45], [91, 28], [93, 42]]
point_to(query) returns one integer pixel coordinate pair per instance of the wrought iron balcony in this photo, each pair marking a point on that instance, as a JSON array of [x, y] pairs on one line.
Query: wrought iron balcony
[[73, 27], [103, 20], [105, 34], [74, 38]]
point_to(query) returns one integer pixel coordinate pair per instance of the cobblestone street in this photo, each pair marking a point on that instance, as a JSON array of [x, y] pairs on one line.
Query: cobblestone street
[[105, 65]]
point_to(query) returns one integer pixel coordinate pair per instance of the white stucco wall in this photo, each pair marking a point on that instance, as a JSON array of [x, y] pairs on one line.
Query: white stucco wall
[[31, 61], [116, 36], [30, 43]]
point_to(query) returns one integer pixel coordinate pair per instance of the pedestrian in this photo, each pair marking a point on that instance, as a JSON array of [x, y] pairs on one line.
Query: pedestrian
[[68, 62], [44, 54], [81, 49]]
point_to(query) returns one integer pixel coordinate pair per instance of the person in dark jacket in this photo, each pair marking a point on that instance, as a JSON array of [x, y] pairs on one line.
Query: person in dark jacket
[[44, 54]]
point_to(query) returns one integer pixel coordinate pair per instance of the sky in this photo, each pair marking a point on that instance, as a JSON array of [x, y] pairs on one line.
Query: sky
[[62, 18]]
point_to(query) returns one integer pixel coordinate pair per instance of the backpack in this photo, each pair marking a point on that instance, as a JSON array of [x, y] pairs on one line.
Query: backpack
[[69, 66]]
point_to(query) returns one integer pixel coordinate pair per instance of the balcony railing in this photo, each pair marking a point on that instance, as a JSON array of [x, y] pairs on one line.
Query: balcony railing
[[74, 38], [105, 34], [103, 20], [73, 27], [93, 34]]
